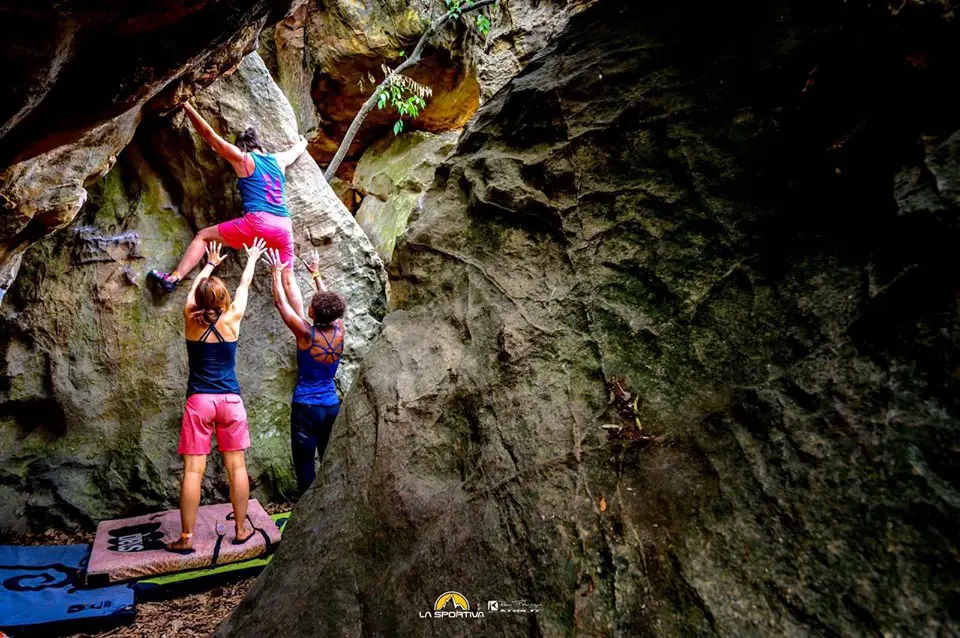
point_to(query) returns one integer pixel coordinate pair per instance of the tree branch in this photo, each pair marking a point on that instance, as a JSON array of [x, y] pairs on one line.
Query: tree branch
[[371, 102]]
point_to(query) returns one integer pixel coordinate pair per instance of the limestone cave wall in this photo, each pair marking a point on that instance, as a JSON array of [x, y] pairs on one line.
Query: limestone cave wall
[[92, 362], [676, 348]]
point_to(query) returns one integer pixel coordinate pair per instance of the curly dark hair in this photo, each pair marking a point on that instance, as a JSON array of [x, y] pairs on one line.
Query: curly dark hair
[[250, 140], [327, 307]]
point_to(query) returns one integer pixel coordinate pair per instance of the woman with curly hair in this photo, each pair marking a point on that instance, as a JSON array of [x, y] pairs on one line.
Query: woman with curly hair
[[319, 348], [211, 328]]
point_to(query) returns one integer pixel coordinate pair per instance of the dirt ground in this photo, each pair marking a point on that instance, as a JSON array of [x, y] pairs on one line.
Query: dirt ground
[[191, 616]]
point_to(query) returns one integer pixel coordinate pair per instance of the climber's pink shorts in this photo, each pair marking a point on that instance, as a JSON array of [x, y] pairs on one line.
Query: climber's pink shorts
[[203, 413], [276, 230]]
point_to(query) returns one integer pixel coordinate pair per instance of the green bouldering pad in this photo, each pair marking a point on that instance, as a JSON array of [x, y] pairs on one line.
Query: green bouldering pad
[[182, 583]]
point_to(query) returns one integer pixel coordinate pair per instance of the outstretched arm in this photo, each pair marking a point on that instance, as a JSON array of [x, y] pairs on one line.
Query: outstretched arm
[[214, 258], [239, 305], [289, 156], [225, 149], [290, 317], [314, 267]]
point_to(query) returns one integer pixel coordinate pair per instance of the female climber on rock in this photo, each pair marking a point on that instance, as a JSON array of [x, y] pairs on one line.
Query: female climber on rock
[[212, 326], [262, 188], [319, 348]]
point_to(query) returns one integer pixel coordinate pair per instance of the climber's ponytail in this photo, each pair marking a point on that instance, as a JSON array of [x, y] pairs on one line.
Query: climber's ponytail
[[249, 141], [212, 299]]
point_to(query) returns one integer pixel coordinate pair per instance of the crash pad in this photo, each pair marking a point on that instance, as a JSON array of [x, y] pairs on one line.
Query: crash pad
[[137, 547], [181, 583], [41, 591]]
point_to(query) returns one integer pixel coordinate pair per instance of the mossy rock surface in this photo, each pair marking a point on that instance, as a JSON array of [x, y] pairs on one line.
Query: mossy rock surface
[[656, 224], [393, 174], [93, 367]]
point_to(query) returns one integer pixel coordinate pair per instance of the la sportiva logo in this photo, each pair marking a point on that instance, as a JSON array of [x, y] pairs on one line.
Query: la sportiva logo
[[452, 604], [135, 538]]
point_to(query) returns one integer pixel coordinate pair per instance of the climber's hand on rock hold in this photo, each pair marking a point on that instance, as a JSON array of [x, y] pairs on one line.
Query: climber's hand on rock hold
[[213, 253], [276, 264], [258, 248]]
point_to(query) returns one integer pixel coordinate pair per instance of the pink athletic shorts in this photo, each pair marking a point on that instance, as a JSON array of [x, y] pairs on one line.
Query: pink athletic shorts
[[276, 230], [203, 413]]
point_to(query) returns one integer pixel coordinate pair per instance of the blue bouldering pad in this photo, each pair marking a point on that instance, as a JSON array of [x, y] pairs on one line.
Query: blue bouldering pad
[[40, 590]]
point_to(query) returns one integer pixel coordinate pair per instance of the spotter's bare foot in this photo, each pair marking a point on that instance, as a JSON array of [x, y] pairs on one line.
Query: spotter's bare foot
[[243, 535]]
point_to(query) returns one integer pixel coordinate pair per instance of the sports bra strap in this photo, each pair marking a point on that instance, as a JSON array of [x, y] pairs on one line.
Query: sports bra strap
[[213, 328], [244, 161]]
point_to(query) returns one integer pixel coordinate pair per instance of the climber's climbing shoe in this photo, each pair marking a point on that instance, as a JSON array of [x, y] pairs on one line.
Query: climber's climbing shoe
[[166, 280]]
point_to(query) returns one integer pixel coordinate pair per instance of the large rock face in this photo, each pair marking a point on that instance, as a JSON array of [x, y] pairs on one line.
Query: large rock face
[[392, 175], [79, 75], [250, 97], [42, 195], [520, 29], [92, 362], [678, 351], [73, 66], [325, 54]]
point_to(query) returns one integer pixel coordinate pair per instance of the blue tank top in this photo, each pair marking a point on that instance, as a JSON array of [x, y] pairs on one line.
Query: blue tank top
[[264, 191], [212, 365], [315, 378]]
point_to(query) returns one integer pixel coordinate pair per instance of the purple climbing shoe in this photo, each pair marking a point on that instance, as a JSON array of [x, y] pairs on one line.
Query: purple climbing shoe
[[166, 281]]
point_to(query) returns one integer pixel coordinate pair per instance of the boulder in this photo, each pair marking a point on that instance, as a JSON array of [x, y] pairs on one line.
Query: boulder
[[42, 195], [92, 363], [668, 359], [73, 68], [250, 97], [79, 79], [519, 30], [393, 174], [334, 52], [288, 59]]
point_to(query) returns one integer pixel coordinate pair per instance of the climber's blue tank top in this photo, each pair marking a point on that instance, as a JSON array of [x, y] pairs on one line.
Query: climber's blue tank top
[[315, 378], [264, 190], [212, 365]]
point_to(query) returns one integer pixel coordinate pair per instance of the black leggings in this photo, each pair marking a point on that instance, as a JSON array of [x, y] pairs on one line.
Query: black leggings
[[310, 427]]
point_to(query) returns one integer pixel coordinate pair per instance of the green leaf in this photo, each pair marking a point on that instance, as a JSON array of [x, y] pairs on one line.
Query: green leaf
[[398, 127], [483, 24]]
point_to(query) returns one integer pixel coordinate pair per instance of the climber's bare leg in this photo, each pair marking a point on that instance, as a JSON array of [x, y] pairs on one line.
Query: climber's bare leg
[[239, 491], [292, 289], [195, 251], [194, 466]]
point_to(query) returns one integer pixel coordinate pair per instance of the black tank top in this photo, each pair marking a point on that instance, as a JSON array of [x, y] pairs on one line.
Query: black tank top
[[212, 365]]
